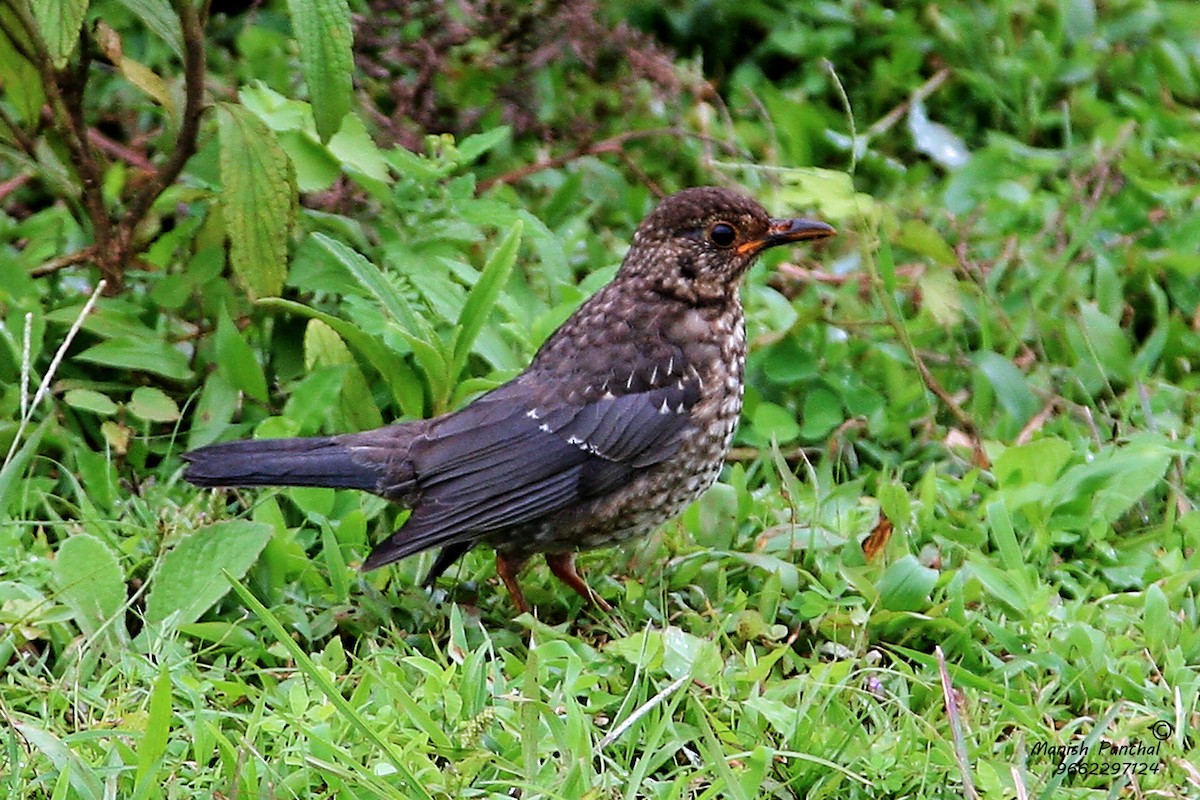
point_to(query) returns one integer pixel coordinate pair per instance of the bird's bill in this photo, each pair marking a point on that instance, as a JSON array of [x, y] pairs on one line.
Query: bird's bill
[[786, 231]]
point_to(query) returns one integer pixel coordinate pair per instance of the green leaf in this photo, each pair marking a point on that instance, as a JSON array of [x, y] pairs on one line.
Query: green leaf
[[482, 297], [90, 400], [190, 580], [322, 29], [140, 355], [1012, 390], [906, 584], [158, 16], [258, 199], [90, 582], [82, 778], [476, 145], [822, 413], [235, 358], [158, 730], [374, 282], [399, 378], [152, 405], [22, 83], [323, 347], [773, 421], [60, 22]]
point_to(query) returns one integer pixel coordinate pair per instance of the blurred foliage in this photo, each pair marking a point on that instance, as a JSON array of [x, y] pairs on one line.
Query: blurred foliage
[[995, 363]]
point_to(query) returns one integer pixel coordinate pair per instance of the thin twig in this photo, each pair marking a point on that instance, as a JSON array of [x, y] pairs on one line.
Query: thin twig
[[62, 262], [185, 143]]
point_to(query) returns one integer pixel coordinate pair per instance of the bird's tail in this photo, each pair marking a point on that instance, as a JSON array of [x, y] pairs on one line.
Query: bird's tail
[[374, 461]]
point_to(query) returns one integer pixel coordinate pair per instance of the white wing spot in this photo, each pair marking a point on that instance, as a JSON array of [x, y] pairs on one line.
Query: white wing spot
[[654, 374], [544, 428], [670, 365], [629, 383], [532, 414], [679, 408], [664, 408], [574, 440]]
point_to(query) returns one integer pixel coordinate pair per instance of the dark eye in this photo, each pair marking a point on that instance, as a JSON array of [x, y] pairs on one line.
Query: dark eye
[[722, 234]]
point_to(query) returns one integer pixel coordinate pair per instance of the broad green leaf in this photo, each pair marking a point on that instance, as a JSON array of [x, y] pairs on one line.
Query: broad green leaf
[[22, 83], [1104, 345], [477, 144], [353, 148], [775, 422], [1009, 384], [322, 29], [323, 347], [822, 413], [941, 296], [235, 358], [190, 580], [258, 199], [140, 355], [214, 410], [90, 582], [483, 295], [923, 239], [158, 16], [1107, 486], [90, 400], [906, 584], [153, 405], [399, 378], [60, 22]]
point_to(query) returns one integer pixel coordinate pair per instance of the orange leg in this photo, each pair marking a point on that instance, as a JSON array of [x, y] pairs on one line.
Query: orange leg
[[563, 567], [508, 568]]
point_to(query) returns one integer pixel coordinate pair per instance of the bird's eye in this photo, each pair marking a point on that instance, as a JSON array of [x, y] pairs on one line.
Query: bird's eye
[[722, 234]]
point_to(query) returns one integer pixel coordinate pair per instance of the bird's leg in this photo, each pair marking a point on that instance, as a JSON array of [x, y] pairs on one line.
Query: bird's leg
[[563, 567], [508, 567]]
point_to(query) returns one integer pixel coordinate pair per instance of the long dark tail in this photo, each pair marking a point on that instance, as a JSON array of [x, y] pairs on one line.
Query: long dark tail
[[374, 461]]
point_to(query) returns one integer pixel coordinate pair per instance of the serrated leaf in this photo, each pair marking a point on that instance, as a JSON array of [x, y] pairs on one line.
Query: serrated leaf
[[323, 31], [90, 582], [90, 400], [152, 405], [190, 580], [258, 199], [375, 283], [483, 296], [60, 22], [140, 355]]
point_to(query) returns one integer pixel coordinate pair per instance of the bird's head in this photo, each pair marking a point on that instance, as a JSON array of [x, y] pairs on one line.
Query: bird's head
[[699, 242]]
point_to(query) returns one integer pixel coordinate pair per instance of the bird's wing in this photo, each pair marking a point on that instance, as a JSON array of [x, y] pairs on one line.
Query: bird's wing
[[505, 460]]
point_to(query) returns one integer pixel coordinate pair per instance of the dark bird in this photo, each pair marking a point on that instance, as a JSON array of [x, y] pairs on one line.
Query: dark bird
[[622, 419]]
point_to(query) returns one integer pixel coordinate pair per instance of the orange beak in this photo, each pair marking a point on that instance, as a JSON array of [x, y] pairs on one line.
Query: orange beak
[[786, 231]]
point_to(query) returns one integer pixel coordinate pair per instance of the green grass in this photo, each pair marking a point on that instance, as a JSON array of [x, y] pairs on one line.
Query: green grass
[[997, 357]]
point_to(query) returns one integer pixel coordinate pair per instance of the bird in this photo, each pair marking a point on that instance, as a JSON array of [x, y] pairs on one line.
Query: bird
[[623, 417]]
